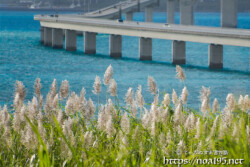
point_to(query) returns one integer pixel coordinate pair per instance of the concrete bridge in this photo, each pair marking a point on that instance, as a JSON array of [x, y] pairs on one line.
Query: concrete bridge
[[53, 36], [128, 7], [53, 28], [228, 11]]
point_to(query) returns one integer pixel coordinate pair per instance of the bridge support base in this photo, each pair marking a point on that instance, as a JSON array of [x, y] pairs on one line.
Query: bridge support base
[[215, 58], [47, 36], [57, 38], [186, 12], [70, 38], [115, 46], [149, 14], [179, 52], [129, 16], [89, 43], [42, 35], [170, 11], [229, 13], [145, 50]]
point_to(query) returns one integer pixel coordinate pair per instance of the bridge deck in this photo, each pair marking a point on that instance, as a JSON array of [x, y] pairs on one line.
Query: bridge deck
[[127, 6], [222, 36]]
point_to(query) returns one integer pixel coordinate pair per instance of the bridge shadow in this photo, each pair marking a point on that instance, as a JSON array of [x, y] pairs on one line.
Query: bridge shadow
[[155, 62]]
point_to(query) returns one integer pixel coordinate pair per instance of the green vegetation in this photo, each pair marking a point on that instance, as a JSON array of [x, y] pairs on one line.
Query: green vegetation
[[84, 133]]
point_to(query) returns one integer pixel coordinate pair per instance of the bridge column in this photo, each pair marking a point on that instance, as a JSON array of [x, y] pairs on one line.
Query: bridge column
[[229, 9], [186, 18], [115, 46], [170, 11], [179, 52], [42, 35], [129, 16], [57, 38], [145, 50], [47, 36], [89, 42], [149, 14], [215, 59], [186, 12], [70, 38]]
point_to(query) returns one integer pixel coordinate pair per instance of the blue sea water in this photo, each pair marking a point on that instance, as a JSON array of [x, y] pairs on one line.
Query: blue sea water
[[23, 58]]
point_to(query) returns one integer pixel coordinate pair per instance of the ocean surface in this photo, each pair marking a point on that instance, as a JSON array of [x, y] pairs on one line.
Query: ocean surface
[[23, 58]]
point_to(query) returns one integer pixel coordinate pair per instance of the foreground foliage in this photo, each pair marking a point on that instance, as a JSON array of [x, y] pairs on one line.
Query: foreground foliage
[[84, 133]]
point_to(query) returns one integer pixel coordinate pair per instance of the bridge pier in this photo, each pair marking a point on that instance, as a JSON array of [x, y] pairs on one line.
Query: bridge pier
[[229, 9], [170, 11], [186, 18], [47, 36], [115, 46], [57, 38], [129, 16], [89, 42], [215, 59], [145, 51], [149, 14], [186, 12], [42, 35], [70, 38], [179, 52]]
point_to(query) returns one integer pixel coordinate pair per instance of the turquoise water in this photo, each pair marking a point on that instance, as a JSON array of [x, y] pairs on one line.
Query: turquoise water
[[23, 58]]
